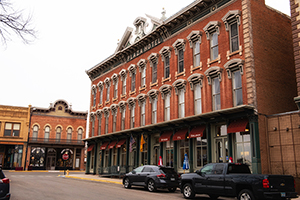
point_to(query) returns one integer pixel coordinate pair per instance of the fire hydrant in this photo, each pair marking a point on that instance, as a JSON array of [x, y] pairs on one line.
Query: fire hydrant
[[68, 172]]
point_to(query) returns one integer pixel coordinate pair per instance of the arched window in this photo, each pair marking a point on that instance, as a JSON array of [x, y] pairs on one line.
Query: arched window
[[58, 134], [79, 137], [35, 132], [47, 133], [69, 134]]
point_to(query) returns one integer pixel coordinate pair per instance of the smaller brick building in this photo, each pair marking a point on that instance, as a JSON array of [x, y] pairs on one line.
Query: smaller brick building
[[55, 131]]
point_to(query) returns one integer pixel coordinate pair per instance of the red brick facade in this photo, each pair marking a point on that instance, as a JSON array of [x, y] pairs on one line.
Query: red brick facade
[[49, 129], [263, 57]]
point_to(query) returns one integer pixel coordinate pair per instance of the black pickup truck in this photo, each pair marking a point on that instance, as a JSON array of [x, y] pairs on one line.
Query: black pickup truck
[[236, 180]]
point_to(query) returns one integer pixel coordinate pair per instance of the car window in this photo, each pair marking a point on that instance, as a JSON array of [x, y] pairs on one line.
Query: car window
[[2, 175], [208, 169], [148, 169], [238, 169], [167, 170], [139, 169], [218, 169]]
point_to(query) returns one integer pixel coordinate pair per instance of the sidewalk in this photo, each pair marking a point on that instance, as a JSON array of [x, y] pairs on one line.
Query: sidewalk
[[92, 177]]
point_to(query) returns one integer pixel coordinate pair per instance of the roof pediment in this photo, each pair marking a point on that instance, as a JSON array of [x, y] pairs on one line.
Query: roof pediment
[[125, 39]]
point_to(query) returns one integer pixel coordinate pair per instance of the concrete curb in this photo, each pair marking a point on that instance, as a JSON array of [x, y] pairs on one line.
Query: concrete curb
[[92, 179]]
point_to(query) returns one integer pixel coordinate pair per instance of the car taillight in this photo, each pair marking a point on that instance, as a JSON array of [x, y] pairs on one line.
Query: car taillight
[[178, 175], [5, 180], [294, 183], [161, 176], [266, 183]]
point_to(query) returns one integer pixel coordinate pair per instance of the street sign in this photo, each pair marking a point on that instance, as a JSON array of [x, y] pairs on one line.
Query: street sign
[[65, 156]]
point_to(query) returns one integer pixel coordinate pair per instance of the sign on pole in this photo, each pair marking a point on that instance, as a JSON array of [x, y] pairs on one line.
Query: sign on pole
[[65, 156]]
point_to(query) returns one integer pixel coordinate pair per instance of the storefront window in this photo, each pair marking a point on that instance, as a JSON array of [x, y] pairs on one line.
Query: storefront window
[[183, 149], [106, 154], [37, 157], [169, 153], [243, 149], [114, 156], [201, 144], [155, 150], [132, 155], [123, 155]]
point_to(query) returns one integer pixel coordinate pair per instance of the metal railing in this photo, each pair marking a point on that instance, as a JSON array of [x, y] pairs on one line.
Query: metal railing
[[55, 141]]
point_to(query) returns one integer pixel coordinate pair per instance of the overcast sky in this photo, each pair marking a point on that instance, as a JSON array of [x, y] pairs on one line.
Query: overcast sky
[[73, 36]]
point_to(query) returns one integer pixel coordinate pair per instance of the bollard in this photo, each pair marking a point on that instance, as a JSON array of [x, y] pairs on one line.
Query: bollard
[[68, 172]]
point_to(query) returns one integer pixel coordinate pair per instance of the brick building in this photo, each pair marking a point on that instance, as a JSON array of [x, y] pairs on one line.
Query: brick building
[[55, 131], [14, 124], [199, 82]]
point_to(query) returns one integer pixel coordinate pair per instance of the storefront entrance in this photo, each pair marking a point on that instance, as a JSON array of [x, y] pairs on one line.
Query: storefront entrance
[[221, 144], [50, 163]]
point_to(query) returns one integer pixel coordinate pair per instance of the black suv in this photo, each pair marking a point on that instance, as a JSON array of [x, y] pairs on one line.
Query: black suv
[[4, 186], [152, 177]]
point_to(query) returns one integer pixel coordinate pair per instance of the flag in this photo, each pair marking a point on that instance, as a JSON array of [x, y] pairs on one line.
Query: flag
[[160, 162], [186, 165], [142, 143], [132, 141]]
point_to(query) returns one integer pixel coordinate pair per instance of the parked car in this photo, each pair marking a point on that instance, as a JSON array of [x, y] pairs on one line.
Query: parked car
[[236, 180], [4, 186], [152, 177]]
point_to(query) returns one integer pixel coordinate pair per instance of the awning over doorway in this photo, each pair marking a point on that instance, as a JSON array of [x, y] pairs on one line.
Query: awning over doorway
[[120, 143], [180, 135], [237, 126], [103, 146], [197, 131], [90, 148], [166, 136], [112, 144]]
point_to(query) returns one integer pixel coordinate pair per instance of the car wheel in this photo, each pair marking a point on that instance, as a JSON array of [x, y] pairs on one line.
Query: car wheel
[[246, 195], [213, 196], [126, 183], [172, 189], [188, 192], [151, 186]]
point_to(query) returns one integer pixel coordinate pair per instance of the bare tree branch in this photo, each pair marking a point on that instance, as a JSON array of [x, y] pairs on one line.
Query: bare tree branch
[[12, 21]]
